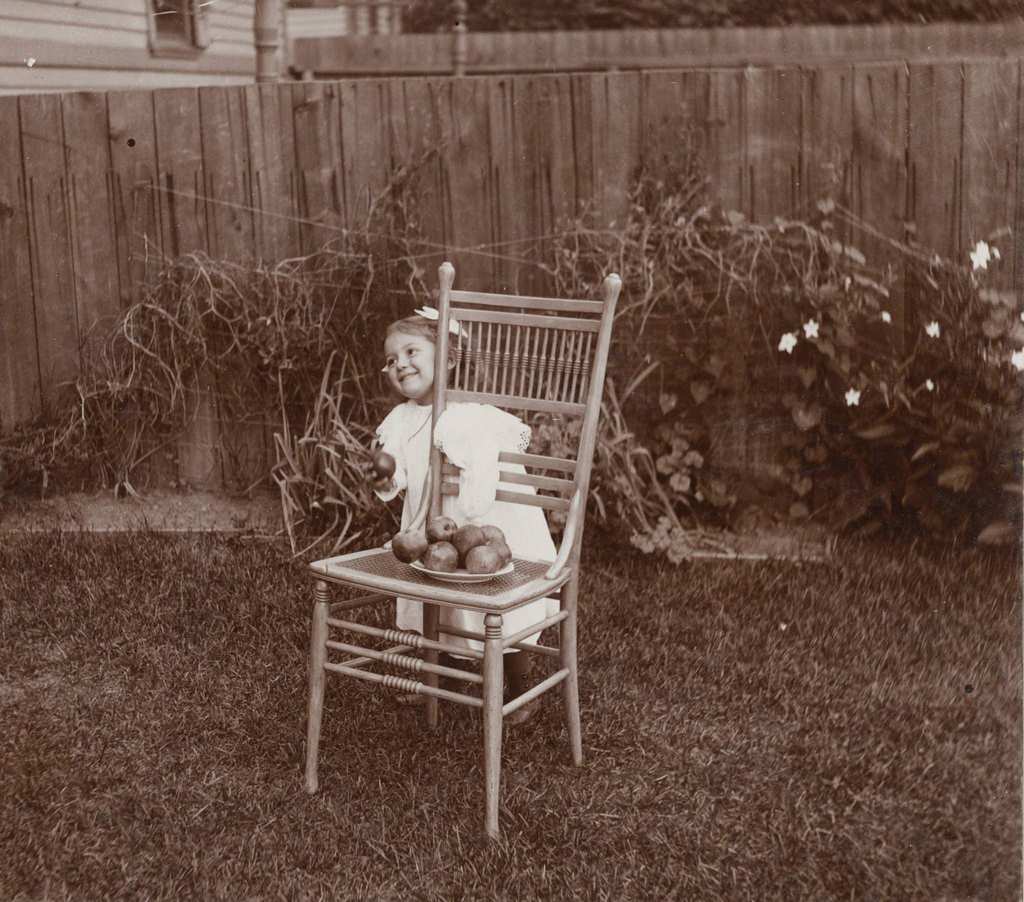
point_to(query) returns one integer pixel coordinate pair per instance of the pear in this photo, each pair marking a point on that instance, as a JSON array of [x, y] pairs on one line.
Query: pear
[[441, 529], [467, 537], [483, 559], [409, 545], [441, 556]]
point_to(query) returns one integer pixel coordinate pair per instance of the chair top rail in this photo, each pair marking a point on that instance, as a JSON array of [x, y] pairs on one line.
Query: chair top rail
[[516, 402], [522, 301], [466, 315]]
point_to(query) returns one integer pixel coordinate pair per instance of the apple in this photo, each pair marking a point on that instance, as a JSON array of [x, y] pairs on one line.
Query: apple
[[483, 559], [441, 556], [441, 529], [504, 552], [383, 465], [467, 537], [409, 545], [493, 535]]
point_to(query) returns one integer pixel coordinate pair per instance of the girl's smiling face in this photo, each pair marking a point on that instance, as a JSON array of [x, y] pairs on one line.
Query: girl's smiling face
[[409, 364]]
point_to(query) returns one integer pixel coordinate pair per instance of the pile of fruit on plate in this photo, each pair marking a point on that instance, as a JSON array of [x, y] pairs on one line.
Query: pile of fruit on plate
[[447, 548]]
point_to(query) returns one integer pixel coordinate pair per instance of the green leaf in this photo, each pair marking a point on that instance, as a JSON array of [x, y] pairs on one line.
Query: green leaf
[[959, 477], [700, 391], [806, 418], [999, 532], [667, 401], [807, 375], [926, 448], [803, 486], [878, 431]]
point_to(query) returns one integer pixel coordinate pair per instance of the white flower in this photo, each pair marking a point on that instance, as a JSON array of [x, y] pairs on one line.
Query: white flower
[[782, 626], [847, 282], [933, 329], [980, 256], [1022, 317], [788, 342], [1017, 359], [886, 316], [929, 385], [30, 62], [852, 398], [995, 253], [811, 328]]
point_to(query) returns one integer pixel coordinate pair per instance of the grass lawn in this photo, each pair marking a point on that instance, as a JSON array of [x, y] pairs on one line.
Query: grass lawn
[[761, 730]]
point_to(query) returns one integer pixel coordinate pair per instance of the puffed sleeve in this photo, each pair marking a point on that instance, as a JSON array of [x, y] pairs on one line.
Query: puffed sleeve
[[391, 435]]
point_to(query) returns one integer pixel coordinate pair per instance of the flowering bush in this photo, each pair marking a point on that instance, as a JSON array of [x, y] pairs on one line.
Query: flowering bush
[[887, 393]]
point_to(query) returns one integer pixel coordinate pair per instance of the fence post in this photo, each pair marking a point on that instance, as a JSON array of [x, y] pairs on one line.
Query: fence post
[[459, 39], [266, 31]]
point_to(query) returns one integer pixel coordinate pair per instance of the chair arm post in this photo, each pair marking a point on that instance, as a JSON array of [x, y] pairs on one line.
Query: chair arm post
[[421, 514], [568, 537]]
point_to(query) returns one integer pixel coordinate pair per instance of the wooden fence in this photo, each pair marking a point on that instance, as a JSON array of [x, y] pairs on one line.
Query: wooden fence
[[94, 188], [488, 53]]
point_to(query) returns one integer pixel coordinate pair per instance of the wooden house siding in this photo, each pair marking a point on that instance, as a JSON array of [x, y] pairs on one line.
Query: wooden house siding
[[80, 45]]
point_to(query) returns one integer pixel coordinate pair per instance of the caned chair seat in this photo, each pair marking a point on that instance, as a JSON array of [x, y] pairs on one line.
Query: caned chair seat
[[379, 570], [525, 354]]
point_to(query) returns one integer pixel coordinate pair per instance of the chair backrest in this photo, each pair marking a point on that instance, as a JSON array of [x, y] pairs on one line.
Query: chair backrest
[[525, 354]]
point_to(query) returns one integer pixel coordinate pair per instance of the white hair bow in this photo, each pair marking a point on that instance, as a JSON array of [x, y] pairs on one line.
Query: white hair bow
[[431, 313]]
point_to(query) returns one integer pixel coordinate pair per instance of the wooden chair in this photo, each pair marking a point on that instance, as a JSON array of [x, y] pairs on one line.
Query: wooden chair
[[522, 354]]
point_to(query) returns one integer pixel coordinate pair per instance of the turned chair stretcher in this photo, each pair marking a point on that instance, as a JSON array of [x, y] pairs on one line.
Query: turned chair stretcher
[[551, 361]]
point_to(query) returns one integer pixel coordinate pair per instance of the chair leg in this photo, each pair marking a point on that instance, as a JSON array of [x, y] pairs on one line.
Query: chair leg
[[494, 677], [430, 620], [567, 658], [317, 657]]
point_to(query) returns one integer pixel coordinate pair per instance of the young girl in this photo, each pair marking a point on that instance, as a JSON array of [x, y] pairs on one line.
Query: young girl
[[405, 433]]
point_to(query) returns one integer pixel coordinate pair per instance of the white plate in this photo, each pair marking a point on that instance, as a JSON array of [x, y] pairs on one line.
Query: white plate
[[462, 576]]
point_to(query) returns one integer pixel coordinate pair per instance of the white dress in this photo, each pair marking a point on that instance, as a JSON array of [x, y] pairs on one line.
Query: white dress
[[405, 434]]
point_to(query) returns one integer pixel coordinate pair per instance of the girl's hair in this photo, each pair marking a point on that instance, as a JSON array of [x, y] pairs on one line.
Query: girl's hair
[[425, 328]]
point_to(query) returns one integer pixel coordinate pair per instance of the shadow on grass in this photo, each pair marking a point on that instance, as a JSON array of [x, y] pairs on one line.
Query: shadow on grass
[[751, 730]]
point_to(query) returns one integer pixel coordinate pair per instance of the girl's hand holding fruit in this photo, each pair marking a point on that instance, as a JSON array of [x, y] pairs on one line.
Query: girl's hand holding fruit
[[382, 470]]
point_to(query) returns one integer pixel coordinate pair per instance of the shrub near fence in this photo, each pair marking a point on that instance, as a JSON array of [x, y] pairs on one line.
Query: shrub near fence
[[97, 190]]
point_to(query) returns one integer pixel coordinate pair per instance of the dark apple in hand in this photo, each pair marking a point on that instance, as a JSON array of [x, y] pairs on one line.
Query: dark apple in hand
[[441, 529], [383, 465], [441, 556], [409, 545]]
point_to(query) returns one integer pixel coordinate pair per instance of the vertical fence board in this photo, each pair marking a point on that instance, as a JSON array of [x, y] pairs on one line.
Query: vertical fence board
[[272, 158], [935, 153], [318, 162], [505, 144], [879, 152], [226, 168], [49, 221], [991, 132], [617, 141], [19, 361], [422, 142], [364, 143], [181, 183], [229, 218], [773, 142], [136, 201], [827, 136], [94, 247], [726, 157], [467, 179]]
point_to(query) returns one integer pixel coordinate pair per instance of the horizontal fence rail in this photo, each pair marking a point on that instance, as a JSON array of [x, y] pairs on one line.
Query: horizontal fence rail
[[485, 53], [97, 189]]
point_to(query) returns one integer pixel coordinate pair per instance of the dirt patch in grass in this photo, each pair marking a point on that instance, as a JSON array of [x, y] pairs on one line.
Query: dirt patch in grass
[[157, 511]]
